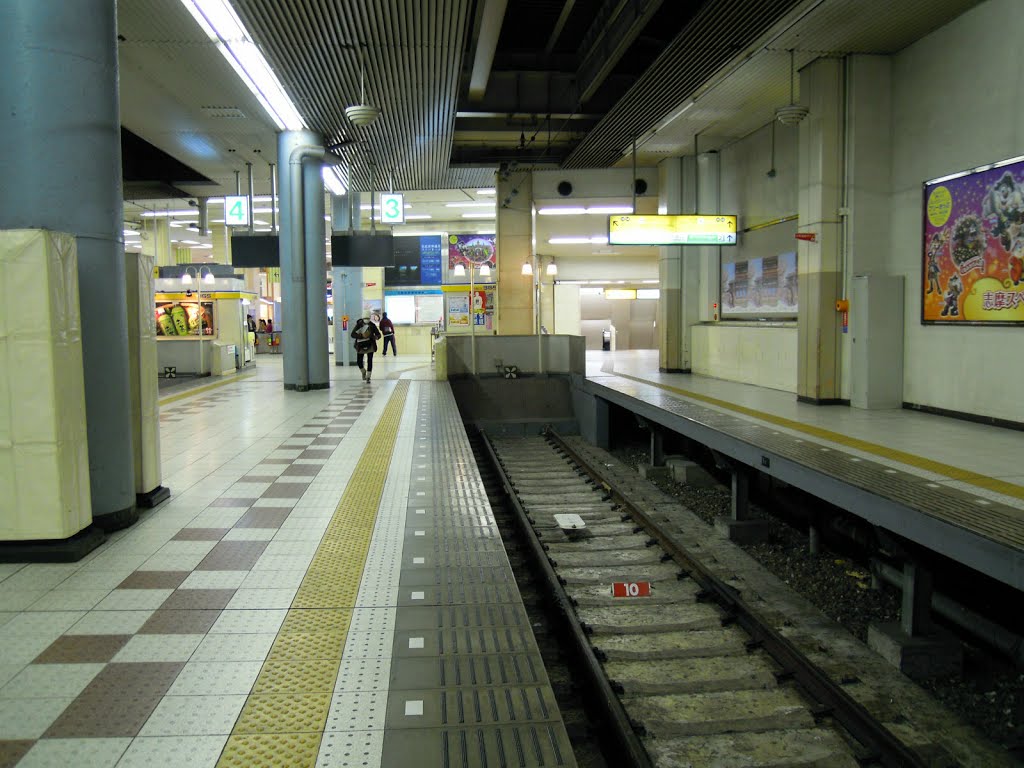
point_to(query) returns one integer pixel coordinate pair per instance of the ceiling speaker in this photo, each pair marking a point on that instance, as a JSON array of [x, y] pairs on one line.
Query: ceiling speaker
[[639, 186], [564, 188]]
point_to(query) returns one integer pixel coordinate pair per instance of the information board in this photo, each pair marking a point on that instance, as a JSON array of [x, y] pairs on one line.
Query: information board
[[710, 229], [392, 208]]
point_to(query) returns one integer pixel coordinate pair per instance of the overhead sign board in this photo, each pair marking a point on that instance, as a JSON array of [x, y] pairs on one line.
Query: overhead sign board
[[392, 208], [236, 211], [707, 229]]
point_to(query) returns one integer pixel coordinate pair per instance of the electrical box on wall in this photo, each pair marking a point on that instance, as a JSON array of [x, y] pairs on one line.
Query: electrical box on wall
[[876, 317]]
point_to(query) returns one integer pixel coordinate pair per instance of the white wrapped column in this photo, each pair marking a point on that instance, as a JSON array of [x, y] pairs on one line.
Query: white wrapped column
[[44, 457]]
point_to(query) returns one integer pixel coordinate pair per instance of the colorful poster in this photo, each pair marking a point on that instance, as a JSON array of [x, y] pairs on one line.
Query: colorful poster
[[472, 251], [764, 287], [973, 254]]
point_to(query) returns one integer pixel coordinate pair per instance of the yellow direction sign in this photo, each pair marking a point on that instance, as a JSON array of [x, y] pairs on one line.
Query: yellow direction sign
[[703, 229]]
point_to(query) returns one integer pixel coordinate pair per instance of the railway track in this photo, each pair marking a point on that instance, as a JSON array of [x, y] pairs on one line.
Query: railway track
[[690, 676]]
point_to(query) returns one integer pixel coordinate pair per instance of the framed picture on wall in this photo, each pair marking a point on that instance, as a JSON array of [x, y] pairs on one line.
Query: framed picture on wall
[[972, 260]]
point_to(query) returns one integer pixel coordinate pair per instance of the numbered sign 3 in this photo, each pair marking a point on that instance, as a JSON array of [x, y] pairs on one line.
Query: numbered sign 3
[[631, 589]]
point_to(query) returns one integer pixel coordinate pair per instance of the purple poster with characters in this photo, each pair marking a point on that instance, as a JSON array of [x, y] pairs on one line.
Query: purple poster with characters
[[972, 269], [472, 251]]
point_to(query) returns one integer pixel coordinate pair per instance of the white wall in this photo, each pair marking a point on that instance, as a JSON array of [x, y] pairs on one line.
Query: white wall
[[751, 353], [956, 105], [740, 351]]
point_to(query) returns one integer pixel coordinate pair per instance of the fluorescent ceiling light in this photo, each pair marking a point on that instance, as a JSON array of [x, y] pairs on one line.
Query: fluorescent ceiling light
[[332, 180], [222, 25], [609, 209], [266, 210], [155, 214], [469, 205], [200, 247], [478, 215], [565, 211], [189, 242], [578, 240], [263, 229], [649, 282], [490, 191], [418, 216]]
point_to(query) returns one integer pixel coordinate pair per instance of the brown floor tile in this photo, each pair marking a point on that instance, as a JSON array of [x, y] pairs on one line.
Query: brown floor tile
[[193, 599], [182, 622], [12, 751], [277, 461], [258, 478], [315, 453], [233, 556], [200, 534], [82, 649], [325, 441], [263, 517], [112, 716], [154, 580], [140, 678], [281, 490], [230, 501], [335, 431], [302, 470]]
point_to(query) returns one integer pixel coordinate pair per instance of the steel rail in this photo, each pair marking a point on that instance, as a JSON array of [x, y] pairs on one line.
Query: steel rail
[[631, 750], [881, 745]]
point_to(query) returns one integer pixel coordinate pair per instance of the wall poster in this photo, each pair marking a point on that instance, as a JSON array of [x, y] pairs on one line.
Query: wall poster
[[472, 251], [972, 269], [763, 287]]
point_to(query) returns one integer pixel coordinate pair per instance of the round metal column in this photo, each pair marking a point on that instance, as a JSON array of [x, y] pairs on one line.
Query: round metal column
[[60, 157], [293, 280], [316, 275]]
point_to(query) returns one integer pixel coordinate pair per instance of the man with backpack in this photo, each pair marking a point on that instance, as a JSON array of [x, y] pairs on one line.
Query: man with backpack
[[388, 329], [365, 334]]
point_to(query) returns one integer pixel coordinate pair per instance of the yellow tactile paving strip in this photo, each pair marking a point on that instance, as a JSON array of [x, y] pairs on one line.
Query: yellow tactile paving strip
[[284, 716], [910, 459]]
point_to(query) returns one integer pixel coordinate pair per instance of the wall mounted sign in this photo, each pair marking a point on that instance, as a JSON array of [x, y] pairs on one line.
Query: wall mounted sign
[[710, 229]]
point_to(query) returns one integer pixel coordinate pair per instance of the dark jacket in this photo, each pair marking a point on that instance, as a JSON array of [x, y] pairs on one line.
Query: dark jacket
[[387, 327], [365, 344]]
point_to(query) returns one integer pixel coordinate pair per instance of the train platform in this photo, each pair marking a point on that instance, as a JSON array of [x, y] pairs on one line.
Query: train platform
[[326, 586], [952, 486]]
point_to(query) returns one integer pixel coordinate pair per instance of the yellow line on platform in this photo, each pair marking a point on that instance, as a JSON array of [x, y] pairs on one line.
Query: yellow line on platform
[[283, 719], [910, 459], [205, 388]]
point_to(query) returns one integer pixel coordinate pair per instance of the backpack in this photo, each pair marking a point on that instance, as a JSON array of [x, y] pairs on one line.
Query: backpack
[[364, 338]]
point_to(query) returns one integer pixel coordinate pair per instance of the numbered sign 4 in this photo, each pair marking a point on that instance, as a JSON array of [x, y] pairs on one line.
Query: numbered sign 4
[[631, 589]]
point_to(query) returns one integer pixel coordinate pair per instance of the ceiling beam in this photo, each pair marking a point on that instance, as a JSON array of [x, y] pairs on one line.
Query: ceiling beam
[[614, 30], [486, 44], [559, 26]]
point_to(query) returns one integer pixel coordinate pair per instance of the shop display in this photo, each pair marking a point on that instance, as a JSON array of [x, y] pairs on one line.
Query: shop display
[[177, 319]]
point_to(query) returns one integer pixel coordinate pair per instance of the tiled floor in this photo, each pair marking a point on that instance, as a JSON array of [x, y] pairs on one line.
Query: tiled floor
[[145, 652]]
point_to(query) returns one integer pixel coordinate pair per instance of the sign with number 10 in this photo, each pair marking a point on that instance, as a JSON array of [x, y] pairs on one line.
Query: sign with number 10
[[392, 208], [236, 211]]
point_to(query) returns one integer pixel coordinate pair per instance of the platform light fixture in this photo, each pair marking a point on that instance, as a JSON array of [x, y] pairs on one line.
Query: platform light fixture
[[222, 25]]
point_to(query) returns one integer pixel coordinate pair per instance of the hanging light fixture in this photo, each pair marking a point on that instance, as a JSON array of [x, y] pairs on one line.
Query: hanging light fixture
[[552, 268], [527, 268], [460, 270], [792, 113], [362, 113], [485, 270]]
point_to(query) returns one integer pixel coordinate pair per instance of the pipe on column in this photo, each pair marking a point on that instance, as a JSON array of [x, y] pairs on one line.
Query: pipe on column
[[318, 370], [60, 154]]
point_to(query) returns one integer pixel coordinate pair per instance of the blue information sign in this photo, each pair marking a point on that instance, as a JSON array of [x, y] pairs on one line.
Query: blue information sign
[[430, 260]]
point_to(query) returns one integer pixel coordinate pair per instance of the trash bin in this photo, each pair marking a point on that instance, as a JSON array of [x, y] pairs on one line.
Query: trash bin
[[606, 341]]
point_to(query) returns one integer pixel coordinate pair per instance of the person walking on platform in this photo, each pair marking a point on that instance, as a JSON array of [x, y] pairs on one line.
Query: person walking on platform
[[388, 329], [365, 334]]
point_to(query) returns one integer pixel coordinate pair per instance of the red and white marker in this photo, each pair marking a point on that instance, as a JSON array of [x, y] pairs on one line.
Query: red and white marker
[[631, 589]]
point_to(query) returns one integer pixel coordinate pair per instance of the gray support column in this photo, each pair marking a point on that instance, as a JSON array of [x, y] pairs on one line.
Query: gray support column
[[60, 157], [915, 611], [670, 301], [316, 276], [708, 291], [348, 301], [740, 494], [292, 147]]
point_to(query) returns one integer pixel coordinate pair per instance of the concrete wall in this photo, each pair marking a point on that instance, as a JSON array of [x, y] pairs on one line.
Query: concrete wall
[[752, 353], [956, 105], [553, 354]]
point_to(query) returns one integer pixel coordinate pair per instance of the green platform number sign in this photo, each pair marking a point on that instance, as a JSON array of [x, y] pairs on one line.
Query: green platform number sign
[[236, 211], [392, 209]]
